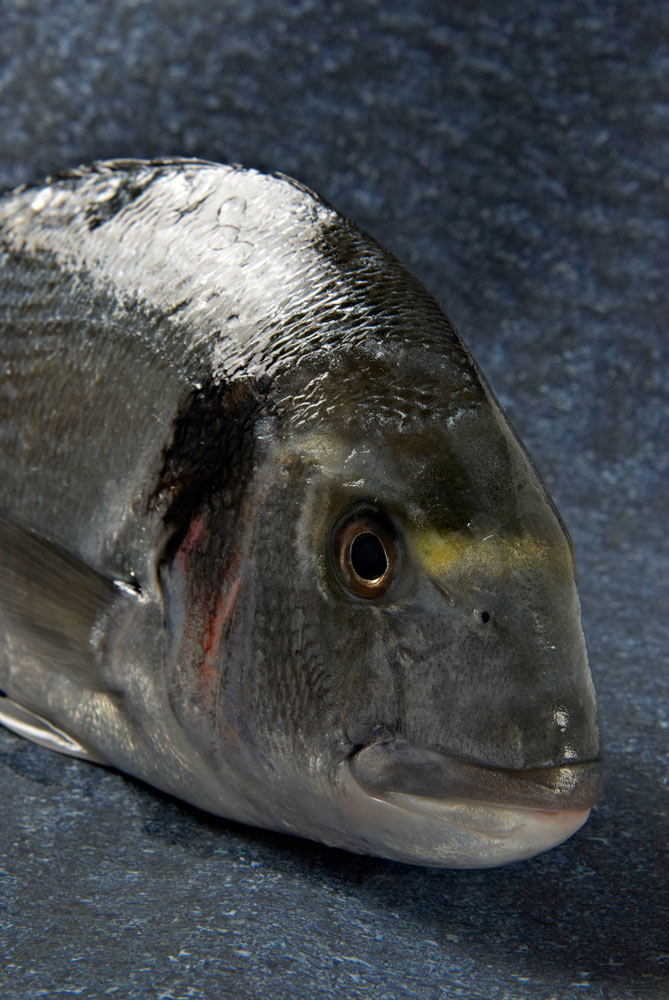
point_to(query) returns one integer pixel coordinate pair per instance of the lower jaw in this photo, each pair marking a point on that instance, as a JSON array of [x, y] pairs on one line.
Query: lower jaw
[[449, 833]]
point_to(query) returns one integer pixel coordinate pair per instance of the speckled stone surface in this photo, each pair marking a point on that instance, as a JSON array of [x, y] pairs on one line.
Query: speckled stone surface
[[514, 156]]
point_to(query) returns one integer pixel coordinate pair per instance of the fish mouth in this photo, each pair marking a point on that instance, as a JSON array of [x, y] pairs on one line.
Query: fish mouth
[[435, 809]]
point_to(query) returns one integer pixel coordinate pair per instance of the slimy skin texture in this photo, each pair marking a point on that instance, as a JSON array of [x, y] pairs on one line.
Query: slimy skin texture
[[204, 370]]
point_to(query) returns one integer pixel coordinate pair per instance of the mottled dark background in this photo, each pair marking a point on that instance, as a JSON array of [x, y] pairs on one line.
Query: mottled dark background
[[514, 155]]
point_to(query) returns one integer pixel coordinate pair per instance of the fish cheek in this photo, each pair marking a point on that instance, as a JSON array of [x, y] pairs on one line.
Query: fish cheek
[[289, 689], [317, 657], [363, 653]]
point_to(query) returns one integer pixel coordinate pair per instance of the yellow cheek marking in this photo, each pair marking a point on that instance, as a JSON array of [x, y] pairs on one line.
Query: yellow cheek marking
[[445, 554]]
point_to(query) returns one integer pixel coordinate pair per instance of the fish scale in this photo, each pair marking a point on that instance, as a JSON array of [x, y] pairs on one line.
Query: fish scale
[[211, 385]]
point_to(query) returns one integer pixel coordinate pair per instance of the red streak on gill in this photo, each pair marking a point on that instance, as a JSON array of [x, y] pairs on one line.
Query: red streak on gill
[[225, 609], [212, 582], [190, 540]]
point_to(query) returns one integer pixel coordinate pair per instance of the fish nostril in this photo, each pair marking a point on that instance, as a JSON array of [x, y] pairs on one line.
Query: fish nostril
[[482, 617]]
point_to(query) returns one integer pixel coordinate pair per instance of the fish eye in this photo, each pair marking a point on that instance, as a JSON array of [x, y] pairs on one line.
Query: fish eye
[[364, 551]]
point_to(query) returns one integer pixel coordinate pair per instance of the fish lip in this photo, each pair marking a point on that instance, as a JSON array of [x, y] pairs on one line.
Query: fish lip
[[491, 819], [419, 806], [433, 783]]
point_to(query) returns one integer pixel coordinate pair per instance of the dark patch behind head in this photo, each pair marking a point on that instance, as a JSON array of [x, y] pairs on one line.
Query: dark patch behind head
[[211, 446]]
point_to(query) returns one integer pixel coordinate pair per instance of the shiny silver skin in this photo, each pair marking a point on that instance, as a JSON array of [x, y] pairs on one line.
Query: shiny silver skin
[[203, 369]]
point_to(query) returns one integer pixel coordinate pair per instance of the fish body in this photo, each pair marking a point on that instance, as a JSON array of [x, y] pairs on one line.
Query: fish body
[[268, 541]]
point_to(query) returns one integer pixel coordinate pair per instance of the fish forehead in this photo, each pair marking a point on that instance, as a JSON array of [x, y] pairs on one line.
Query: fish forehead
[[384, 383], [445, 458]]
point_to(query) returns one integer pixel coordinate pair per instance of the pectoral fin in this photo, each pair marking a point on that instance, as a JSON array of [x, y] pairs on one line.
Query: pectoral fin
[[33, 727], [53, 606]]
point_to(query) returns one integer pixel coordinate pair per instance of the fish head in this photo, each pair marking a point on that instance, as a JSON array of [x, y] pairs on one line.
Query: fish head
[[412, 678], [403, 670]]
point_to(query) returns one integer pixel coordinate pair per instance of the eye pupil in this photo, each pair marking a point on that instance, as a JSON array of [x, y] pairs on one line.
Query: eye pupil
[[368, 556], [364, 552]]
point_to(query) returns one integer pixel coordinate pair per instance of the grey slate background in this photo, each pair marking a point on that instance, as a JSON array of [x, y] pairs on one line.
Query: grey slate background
[[514, 156]]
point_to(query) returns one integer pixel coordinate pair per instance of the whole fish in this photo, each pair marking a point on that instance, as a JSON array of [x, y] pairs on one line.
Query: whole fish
[[267, 540]]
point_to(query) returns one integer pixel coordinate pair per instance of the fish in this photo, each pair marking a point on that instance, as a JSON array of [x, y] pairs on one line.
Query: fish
[[268, 541]]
